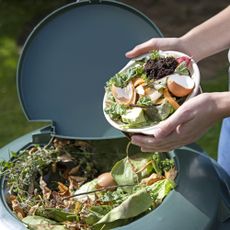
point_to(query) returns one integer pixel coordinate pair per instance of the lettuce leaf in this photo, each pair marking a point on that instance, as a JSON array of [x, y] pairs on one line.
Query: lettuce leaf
[[160, 189], [96, 213], [134, 205], [122, 79], [115, 111], [182, 69], [56, 214], [155, 55], [144, 101], [125, 171]]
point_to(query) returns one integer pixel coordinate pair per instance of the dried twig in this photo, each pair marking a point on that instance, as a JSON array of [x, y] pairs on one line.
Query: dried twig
[[98, 190]]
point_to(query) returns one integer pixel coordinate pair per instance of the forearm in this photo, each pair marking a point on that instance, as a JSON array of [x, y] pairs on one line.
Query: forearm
[[210, 37], [222, 104]]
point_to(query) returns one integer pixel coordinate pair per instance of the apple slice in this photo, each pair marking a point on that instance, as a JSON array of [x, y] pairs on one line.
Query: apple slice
[[180, 85]]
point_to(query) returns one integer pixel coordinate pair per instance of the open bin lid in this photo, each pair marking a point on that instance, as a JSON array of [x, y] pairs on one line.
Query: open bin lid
[[68, 58]]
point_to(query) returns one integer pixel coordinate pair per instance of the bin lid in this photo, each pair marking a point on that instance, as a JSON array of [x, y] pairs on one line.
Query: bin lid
[[67, 59]]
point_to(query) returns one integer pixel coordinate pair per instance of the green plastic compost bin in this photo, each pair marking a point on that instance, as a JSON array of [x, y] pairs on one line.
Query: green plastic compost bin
[[61, 76]]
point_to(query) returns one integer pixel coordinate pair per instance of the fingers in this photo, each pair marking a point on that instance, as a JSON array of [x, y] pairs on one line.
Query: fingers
[[142, 48], [174, 132], [151, 144], [166, 127], [157, 146], [149, 150], [172, 141], [143, 140], [156, 44]]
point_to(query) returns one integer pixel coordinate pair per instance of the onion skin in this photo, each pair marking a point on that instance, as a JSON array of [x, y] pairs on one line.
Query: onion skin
[[124, 95]]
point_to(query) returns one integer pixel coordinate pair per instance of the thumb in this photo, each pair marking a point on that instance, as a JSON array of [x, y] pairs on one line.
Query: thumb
[[141, 49], [155, 44], [164, 128]]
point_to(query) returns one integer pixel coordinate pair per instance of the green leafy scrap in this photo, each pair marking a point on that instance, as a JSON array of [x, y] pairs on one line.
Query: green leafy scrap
[[115, 111], [154, 55], [57, 214], [123, 172], [131, 170], [96, 213], [159, 190], [182, 69], [134, 205], [122, 79], [144, 101]]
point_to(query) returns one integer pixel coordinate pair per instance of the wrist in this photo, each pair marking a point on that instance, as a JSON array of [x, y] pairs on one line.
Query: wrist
[[190, 47], [221, 102], [184, 46]]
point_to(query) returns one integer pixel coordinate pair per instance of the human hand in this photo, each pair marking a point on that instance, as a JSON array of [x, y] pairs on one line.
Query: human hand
[[191, 120], [176, 44]]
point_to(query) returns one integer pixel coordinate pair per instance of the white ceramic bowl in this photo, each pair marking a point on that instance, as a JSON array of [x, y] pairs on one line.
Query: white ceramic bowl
[[195, 75]]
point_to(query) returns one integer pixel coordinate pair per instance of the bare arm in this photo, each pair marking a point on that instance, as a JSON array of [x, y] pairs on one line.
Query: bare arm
[[210, 37], [202, 41]]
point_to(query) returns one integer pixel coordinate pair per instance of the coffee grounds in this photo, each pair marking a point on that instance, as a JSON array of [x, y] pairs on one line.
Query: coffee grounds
[[156, 69]]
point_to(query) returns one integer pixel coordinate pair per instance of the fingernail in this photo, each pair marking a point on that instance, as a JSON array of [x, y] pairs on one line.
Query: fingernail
[[128, 53]]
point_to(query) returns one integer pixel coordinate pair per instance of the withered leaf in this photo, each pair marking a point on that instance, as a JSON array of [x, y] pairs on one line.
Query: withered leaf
[[152, 179], [45, 190], [63, 190], [17, 207], [65, 157]]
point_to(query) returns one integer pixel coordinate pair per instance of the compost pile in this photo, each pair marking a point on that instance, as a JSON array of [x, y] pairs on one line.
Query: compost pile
[[58, 186]]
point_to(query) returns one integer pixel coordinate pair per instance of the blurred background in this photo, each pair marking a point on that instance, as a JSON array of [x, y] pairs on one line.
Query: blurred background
[[173, 17]]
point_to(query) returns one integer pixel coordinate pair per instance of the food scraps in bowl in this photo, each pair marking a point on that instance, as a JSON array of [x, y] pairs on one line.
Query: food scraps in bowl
[[149, 89], [59, 186]]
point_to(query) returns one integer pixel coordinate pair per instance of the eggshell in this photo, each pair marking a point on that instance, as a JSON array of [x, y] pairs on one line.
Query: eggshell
[[134, 98], [105, 180], [123, 95], [180, 85]]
